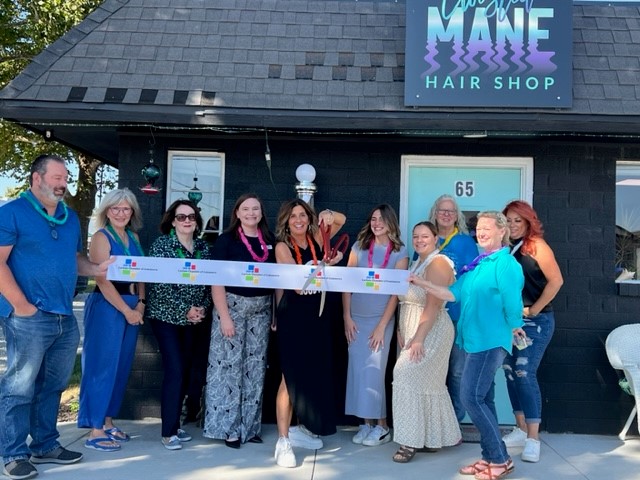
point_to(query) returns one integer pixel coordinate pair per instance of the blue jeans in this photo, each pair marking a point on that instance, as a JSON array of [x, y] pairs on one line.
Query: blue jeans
[[521, 367], [454, 379], [477, 380], [41, 351], [176, 345]]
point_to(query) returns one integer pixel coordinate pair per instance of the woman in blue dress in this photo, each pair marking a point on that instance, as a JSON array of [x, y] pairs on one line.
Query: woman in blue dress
[[368, 325], [112, 318]]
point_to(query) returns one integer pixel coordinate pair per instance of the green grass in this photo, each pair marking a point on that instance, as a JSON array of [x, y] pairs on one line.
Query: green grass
[[70, 397], [76, 375]]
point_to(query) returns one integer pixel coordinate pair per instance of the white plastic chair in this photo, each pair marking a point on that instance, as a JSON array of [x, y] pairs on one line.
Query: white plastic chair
[[623, 350]]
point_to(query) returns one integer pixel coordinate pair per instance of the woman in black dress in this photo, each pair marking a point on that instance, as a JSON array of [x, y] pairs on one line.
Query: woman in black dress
[[304, 336]]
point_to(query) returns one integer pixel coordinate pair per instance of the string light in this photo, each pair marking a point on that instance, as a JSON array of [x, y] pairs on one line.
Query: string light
[[354, 133]]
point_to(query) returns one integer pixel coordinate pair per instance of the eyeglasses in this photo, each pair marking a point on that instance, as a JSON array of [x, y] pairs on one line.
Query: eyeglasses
[[181, 217], [443, 211], [117, 210]]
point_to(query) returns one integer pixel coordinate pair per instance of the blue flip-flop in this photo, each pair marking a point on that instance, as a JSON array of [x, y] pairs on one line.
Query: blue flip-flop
[[112, 434], [95, 444]]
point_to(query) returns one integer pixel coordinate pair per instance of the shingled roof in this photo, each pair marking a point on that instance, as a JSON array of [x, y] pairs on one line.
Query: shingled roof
[[307, 64]]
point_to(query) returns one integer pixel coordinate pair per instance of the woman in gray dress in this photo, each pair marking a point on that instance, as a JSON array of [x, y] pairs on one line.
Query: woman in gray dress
[[368, 325]]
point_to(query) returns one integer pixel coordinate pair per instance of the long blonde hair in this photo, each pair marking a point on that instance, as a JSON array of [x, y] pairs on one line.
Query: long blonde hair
[[113, 198]]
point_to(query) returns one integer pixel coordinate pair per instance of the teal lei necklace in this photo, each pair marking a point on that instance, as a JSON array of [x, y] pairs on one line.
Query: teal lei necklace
[[58, 221], [181, 251], [132, 238]]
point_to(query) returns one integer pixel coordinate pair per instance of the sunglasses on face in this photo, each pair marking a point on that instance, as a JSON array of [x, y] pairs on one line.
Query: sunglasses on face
[[181, 217]]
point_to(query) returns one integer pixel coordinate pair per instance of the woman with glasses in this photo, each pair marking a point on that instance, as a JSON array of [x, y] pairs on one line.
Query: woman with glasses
[[240, 331], [176, 312], [112, 317], [454, 242]]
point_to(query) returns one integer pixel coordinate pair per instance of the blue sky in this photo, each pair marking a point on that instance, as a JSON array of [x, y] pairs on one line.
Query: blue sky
[[6, 182]]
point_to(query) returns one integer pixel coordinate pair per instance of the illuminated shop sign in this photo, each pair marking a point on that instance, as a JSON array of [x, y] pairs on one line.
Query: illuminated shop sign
[[489, 53]]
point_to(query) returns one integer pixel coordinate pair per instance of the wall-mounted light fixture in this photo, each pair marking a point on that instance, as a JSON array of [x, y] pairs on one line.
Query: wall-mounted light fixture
[[305, 188]]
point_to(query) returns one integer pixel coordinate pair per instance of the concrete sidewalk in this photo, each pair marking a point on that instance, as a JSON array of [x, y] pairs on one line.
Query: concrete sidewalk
[[564, 456]]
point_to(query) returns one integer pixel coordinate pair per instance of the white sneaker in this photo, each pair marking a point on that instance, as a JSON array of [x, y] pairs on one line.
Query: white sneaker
[[172, 443], [531, 452], [301, 437], [377, 436], [284, 453], [363, 431], [515, 438]]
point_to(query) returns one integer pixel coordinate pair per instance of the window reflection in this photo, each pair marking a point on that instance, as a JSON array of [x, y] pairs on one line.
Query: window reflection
[[627, 218], [209, 169]]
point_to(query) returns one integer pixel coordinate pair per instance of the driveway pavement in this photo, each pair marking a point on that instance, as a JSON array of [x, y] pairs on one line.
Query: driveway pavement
[[564, 456], [571, 457]]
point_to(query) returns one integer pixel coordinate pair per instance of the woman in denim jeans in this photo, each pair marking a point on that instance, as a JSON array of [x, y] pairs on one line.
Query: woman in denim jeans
[[542, 280], [490, 296]]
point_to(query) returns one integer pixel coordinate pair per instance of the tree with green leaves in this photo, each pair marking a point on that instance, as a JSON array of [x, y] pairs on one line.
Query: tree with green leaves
[[26, 28]]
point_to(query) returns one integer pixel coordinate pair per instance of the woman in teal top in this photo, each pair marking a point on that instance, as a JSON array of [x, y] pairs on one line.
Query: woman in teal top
[[490, 297]]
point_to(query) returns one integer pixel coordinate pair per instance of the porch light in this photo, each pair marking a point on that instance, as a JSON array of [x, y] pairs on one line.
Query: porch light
[[151, 173], [195, 195], [305, 187]]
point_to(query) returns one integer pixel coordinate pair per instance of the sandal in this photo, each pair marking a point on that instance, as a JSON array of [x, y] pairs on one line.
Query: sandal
[[404, 454], [117, 435], [102, 444], [477, 467], [495, 471]]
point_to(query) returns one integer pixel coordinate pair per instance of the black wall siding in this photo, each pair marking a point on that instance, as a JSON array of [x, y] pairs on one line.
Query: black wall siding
[[574, 195]]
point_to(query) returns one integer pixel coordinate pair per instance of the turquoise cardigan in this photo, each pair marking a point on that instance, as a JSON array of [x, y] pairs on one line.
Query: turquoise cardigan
[[490, 298]]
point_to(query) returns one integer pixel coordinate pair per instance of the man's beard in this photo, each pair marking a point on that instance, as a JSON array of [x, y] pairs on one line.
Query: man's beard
[[50, 193]]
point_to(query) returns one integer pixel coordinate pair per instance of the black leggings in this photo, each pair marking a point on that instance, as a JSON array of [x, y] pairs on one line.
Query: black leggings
[[175, 342]]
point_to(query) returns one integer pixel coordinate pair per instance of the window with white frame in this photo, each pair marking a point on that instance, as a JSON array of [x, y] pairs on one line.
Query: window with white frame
[[208, 169], [627, 220]]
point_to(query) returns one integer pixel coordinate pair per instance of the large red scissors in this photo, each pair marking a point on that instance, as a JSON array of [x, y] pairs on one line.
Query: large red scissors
[[329, 254]]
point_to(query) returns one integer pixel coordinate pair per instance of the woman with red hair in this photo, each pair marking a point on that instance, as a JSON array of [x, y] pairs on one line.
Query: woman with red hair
[[542, 281]]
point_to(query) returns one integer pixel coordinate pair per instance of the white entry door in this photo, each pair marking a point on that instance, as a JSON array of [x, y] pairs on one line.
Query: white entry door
[[477, 184]]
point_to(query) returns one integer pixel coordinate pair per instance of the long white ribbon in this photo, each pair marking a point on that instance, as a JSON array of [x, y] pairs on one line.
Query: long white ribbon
[[257, 275]]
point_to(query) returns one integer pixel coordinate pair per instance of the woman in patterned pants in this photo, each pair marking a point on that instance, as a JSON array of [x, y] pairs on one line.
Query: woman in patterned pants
[[240, 332]]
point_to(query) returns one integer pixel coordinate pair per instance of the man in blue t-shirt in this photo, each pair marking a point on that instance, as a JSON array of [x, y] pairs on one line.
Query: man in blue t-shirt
[[40, 259]]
